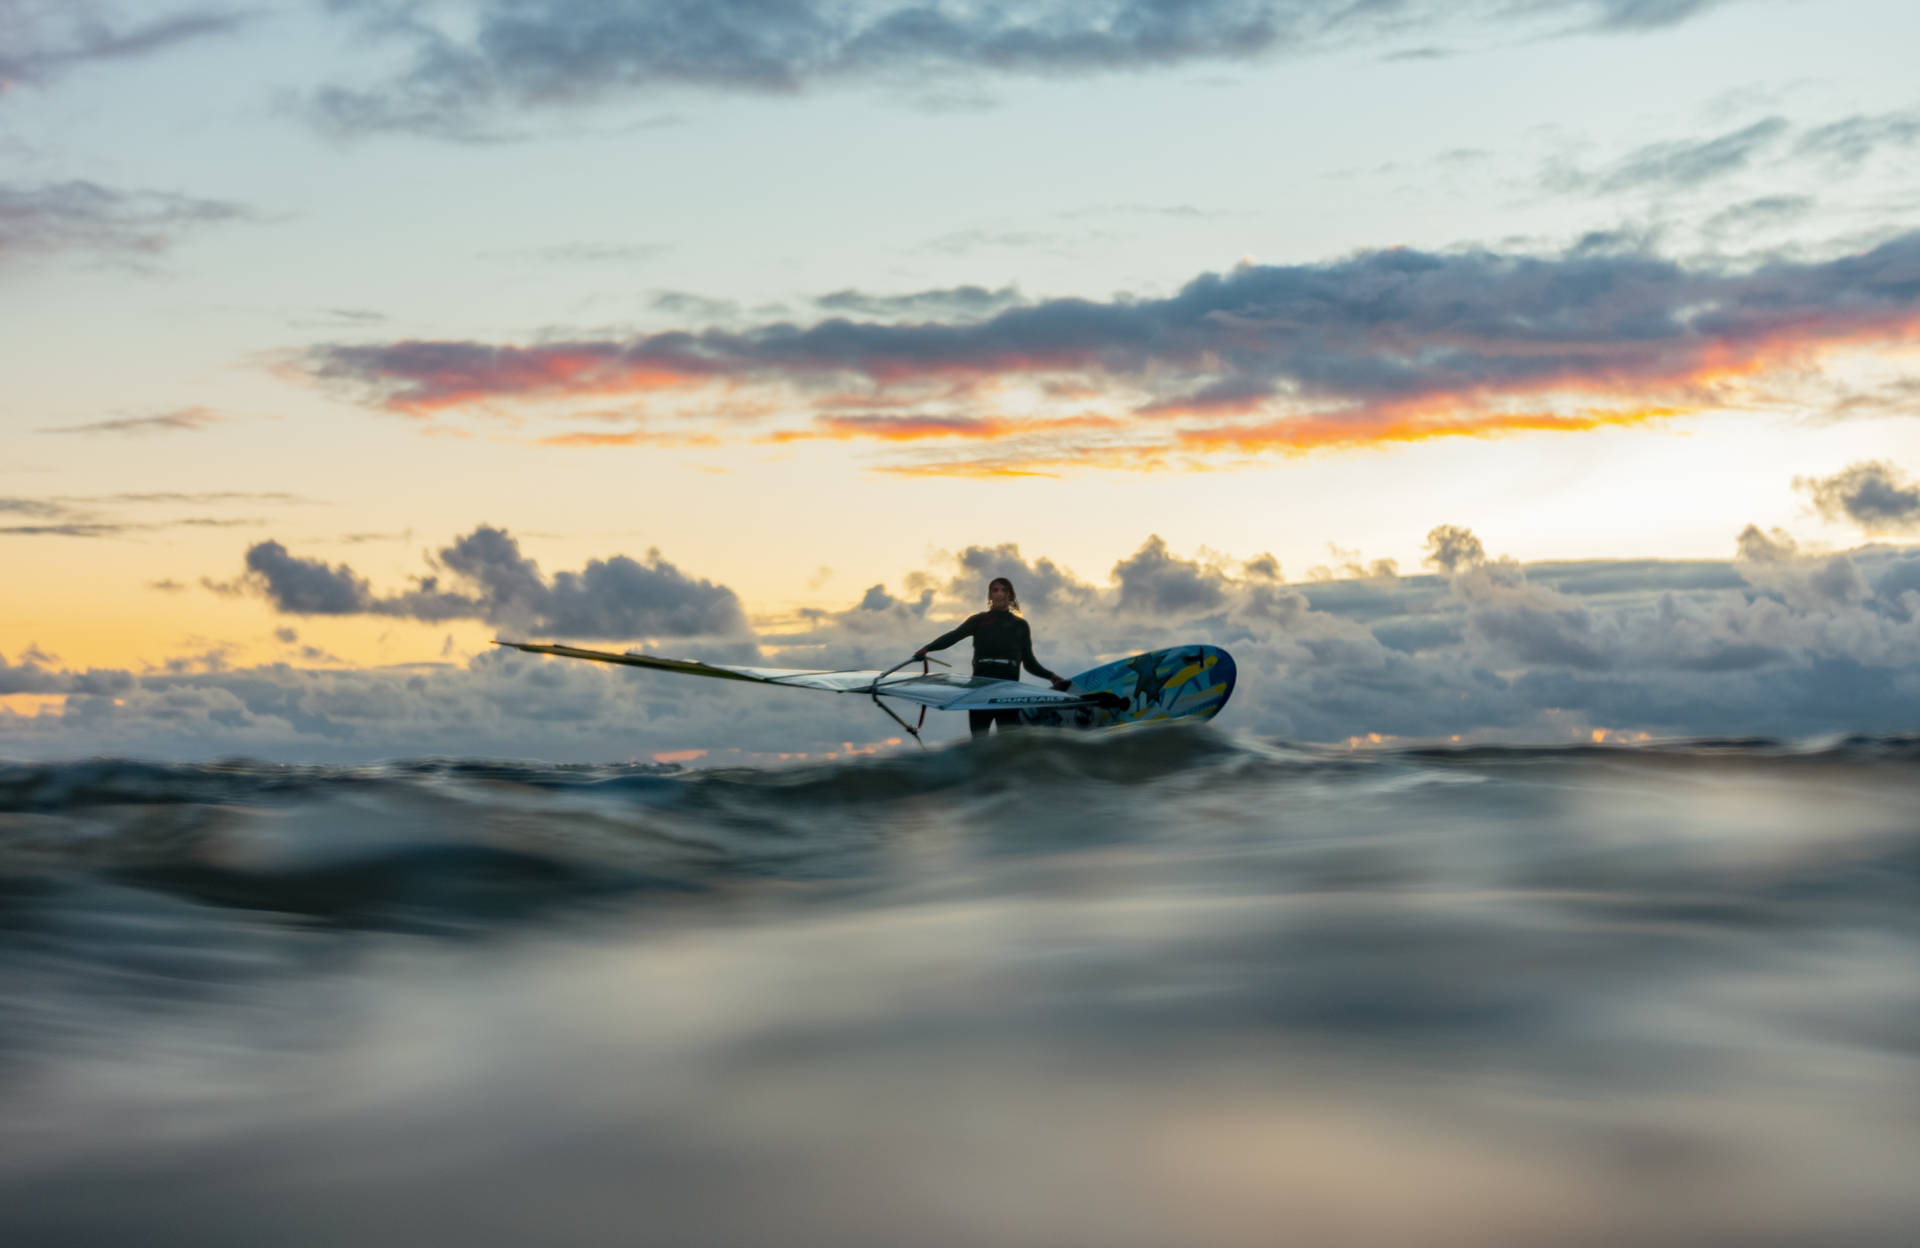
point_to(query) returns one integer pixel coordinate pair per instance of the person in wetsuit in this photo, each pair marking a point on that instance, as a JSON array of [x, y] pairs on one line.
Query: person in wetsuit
[[1002, 645]]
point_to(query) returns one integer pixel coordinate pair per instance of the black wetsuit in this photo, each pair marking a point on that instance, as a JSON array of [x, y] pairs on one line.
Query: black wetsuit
[[1002, 645]]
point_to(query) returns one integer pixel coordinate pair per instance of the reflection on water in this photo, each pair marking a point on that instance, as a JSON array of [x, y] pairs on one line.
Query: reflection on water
[[1164, 988]]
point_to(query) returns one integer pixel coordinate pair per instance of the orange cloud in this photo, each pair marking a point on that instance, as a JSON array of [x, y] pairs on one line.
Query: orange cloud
[[1054, 463], [976, 469], [1382, 346], [535, 372], [919, 428], [632, 437], [1389, 426]]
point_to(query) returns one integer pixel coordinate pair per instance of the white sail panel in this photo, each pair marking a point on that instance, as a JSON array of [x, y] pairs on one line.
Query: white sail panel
[[938, 690]]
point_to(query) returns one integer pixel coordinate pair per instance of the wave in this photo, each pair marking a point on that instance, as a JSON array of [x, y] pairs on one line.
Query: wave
[[466, 843], [1592, 968], [1139, 757]]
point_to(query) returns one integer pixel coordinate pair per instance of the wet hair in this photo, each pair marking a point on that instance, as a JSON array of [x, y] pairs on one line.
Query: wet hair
[[1013, 599]]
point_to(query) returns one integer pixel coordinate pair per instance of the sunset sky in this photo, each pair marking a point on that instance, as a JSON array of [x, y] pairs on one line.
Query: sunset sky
[[1525, 370]]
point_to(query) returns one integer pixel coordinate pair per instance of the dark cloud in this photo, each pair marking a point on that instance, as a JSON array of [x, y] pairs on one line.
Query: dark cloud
[[1631, 15], [1873, 494], [1395, 344], [1775, 567], [1837, 580], [29, 676], [59, 518], [43, 40], [1619, 242], [473, 62], [1756, 546], [543, 54], [216, 658], [1686, 163], [1678, 164], [33, 674], [1540, 634], [1893, 583], [38, 508], [1155, 581], [695, 307], [1504, 613], [73, 528], [488, 578], [307, 586], [1851, 140], [186, 419], [85, 216], [614, 597], [1373, 601], [1758, 214], [1454, 549], [1414, 634], [1040, 584], [953, 303]]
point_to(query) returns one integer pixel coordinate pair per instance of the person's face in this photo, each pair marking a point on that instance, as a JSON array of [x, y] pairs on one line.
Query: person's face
[[998, 598]]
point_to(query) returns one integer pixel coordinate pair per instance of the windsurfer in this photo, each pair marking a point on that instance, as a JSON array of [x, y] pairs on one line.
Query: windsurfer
[[1002, 645]]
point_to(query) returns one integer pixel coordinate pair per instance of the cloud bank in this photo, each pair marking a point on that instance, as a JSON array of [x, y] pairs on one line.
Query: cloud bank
[[484, 576], [1773, 642], [471, 63], [1394, 345]]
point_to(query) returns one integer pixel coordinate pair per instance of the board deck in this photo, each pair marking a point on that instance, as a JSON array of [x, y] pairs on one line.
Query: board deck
[[1185, 682]]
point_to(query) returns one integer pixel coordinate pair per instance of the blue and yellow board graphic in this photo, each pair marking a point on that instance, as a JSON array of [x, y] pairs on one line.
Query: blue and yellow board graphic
[[1185, 682]]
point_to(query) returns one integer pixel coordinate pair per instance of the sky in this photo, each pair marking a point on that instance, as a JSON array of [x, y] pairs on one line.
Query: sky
[[1539, 370]]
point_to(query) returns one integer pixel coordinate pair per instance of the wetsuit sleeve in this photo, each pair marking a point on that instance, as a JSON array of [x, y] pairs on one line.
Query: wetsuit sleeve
[[946, 639], [1026, 654]]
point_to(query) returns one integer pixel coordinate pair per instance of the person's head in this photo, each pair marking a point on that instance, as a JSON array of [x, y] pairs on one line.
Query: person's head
[[1000, 595]]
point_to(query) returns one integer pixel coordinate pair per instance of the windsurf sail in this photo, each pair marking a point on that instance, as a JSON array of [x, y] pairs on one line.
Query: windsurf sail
[[939, 691]]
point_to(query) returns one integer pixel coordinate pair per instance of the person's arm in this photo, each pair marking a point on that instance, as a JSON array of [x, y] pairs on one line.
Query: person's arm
[[1032, 664], [946, 639]]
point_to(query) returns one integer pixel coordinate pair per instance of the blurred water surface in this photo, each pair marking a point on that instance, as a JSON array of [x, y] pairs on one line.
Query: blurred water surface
[[1154, 988]]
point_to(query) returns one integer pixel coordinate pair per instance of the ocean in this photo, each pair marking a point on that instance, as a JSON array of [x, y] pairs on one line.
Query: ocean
[[1162, 987]]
